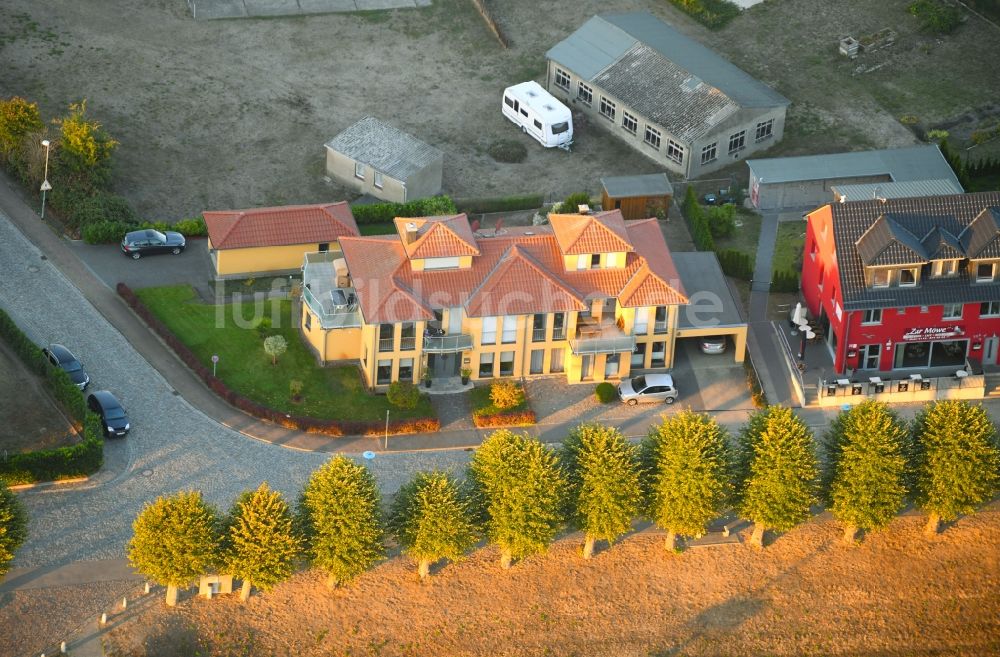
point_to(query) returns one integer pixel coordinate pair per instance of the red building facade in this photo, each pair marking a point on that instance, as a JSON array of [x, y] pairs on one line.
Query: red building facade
[[904, 285]]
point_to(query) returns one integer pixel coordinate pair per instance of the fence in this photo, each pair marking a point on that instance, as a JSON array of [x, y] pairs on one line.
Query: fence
[[916, 388], [491, 22]]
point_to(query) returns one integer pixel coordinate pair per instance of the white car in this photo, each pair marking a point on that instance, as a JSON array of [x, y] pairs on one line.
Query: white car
[[715, 344], [648, 388]]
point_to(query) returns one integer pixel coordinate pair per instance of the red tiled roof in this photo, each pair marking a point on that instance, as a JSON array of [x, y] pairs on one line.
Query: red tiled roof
[[603, 232], [280, 226], [438, 237], [515, 273]]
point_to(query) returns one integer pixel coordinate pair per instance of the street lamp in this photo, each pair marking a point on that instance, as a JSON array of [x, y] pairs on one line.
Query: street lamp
[[45, 183]]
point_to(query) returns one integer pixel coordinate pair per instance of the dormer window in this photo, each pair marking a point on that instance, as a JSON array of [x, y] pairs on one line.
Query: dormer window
[[583, 261], [985, 271], [907, 277], [944, 268], [880, 278], [595, 261]]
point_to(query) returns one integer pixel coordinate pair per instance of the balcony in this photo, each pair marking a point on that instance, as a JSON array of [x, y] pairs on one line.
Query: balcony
[[332, 315], [328, 293], [601, 338], [447, 344]]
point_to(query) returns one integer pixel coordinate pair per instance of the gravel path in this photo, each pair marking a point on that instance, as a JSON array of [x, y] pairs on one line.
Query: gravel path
[[172, 446]]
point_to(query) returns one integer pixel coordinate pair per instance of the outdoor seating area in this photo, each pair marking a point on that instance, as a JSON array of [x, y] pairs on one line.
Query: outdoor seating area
[[327, 288]]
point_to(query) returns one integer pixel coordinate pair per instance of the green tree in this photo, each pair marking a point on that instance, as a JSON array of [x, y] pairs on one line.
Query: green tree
[[340, 515], [260, 545], [687, 463], [274, 346], [85, 150], [432, 520], [865, 475], [777, 473], [18, 118], [602, 470], [518, 491], [13, 527], [956, 462], [175, 541]]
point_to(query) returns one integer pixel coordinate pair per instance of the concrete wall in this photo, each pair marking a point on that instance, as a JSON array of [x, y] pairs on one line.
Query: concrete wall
[[270, 260], [423, 183], [745, 120]]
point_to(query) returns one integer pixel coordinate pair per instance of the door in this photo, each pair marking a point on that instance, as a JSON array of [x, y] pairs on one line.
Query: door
[[455, 320], [586, 367], [990, 350], [870, 355], [444, 365]]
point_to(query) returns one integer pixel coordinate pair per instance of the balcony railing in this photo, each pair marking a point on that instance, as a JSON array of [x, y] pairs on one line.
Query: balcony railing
[[538, 335], [330, 316], [446, 344], [385, 344], [603, 345], [660, 328], [407, 343]]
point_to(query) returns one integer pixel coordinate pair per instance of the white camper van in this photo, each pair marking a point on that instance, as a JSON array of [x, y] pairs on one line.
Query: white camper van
[[539, 114]]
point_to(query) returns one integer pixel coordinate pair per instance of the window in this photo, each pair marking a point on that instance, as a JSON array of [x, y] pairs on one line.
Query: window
[[585, 93], [385, 337], [675, 151], [944, 268], [559, 326], [880, 278], [595, 261], [486, 365], [822, 276], [989, 309], [506, 363], [708, 154], [660, 320], [611, 365], [538, 328], [509, 329], [537, 361], [900, 311], [924, 310], [737, 142], [629, 122], [556, 362], [406, 369], [378, 179], [383, 374], [907, 277], [359, 170], [308, 320], [508, 102], [561, 79], [639, 356], [538, 124], [984, 272], [659, 353], [607, 108], [652, 137], [813, 249], [952, 311], [611, 260], [408, 336], [764, 130], [324, 247], [442, 263], [641, 325], [583, 261], [872, 316], [489, 331]]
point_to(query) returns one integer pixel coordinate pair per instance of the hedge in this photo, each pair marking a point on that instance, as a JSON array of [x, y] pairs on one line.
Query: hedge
[[249, 406], [76, 460], [502, 204], [713, 14], [784, 281], [697, 222], [482, 418], [736, 264], [381, 213], [108, 232]]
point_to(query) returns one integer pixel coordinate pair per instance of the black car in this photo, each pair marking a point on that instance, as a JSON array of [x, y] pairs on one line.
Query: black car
[[114, 419], [61, 357], [151, 242]]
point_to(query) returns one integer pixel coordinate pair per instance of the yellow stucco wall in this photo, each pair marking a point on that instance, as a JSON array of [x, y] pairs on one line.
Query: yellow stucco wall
[[330, 344], [260, 260]]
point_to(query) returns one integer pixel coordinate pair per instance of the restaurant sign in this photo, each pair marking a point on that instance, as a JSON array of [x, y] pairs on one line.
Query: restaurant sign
[[933, 333]]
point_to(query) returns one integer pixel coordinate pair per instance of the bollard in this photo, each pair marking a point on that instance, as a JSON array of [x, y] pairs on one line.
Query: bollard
[[62, 648], [104, 619], [125, 603], [147, 587]]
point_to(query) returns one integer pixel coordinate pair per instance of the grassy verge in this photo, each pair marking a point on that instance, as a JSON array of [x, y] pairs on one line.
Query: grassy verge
[[789, 245], [335, 393], [485, 414]]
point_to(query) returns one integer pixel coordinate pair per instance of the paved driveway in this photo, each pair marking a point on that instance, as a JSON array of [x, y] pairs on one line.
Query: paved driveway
[[172, 446]]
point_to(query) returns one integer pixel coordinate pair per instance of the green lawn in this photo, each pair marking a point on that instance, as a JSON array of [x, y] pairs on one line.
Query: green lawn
[[788, 249], [745, 237], [335, 393]]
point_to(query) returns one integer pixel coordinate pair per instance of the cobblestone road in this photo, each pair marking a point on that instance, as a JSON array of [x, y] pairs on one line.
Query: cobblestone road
[[171, 447]]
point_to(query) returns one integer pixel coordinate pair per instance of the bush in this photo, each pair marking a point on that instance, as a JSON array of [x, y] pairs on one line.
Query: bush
[[503, 204], [194, 227], [509, 151], [403, 394], [784, 281], [572, 203], [935, 16], [736, 264], [605, 393], [697, 223], [483, 419], [18, 118], [384, 213], [506, 394], [713, 14], [105, 232], [721, 219], [103, 206]]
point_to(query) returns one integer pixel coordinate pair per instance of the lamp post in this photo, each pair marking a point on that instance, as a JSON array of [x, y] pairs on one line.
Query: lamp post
[[45, 182]]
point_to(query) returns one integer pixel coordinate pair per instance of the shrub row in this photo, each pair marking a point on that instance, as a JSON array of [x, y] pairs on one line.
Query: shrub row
[[110, 231], [697, 222], [249, 406], [76, 460], [784, 281], [484, 418], [713, 14], [502, 204], [382, 213], [736, 264]]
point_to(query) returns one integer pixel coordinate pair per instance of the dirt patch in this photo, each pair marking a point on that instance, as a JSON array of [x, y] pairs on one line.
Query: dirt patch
[[220, 114], [895, 594], [29, 418]]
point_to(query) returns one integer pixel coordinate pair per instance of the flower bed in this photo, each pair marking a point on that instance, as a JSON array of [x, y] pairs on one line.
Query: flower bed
[[485, 413]]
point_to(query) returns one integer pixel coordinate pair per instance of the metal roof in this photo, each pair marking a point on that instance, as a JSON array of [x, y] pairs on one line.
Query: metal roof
[[384, 148], [705, 283], [603, 39], [653, 184], [903, 189], [901, 164]]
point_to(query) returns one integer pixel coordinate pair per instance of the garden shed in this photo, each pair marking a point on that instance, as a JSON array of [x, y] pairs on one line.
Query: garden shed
[[638, 197]]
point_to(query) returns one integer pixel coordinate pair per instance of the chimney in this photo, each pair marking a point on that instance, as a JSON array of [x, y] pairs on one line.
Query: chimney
[[410, 233]]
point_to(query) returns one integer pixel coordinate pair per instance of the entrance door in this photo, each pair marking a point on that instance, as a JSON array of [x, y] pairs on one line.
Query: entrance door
[[869, 356], [990, 350], [586, 367], [444, 365]]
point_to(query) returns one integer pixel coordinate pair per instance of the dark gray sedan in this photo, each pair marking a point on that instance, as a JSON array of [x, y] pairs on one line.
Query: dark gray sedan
[[61, 357], [152, 242]]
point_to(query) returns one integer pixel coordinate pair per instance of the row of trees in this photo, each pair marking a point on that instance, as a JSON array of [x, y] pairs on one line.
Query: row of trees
[[518, 494]]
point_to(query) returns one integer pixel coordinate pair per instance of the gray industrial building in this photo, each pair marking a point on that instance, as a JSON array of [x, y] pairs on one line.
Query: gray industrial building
[[664, 94], [810, 181]]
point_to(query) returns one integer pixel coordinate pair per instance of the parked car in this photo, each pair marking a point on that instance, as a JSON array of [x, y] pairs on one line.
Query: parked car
[[61, 357], [721, 198], [151, 242], [114, 419], [648, 388], [715, 344]]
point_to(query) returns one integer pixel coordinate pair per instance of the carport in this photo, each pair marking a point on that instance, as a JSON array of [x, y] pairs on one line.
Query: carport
[[712, 309]]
